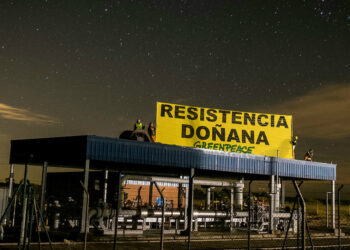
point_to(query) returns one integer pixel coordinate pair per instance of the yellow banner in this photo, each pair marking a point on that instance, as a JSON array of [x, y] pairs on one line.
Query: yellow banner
[[233, 131]]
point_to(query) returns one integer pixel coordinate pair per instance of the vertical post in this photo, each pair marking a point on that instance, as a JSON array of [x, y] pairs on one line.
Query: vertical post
[[339, 231], [84, 207], [272, 202], [208, 199], [283, 193], [186, 208], [43, 187], [117, 196], [163, 211], [298, 221], [10, 191], [333, 205], [231, 209], [327, 209], [190, 207], [277, 193], [249, 212], [105, 186], [24, 206], [150, 195], [86, 222], [179, 197]]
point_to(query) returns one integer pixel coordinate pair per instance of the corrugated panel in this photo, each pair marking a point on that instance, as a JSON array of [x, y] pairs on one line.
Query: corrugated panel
[[117, 150]]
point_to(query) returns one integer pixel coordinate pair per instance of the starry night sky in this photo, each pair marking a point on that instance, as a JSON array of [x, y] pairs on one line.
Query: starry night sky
[[94, 67]]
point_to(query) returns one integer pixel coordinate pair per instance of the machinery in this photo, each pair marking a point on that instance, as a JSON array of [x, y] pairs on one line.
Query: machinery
[[63, 206]]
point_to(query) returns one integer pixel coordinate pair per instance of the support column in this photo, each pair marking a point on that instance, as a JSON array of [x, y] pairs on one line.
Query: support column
[[105, 186], [84, 207], [283, 193], [277, 194], [9, 195], [179, 197], [333, 205], [231, 209], [272, 202], [43, 187], [190, 207], [239, 194], [186, 208], [24, 207], [208, 199], [117, 208]]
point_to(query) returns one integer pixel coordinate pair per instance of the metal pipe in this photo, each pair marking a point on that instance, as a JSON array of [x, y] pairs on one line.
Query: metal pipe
[[12, 170], [238, 186], [105, 186], [272, 202], [86, 222], [231, 209], [327, 212], [119, 181], [179, 180], [84, 207], [150, 195], [186, 209], [333, 205], [154, 213], [24, 206], [283, 193], [9, 195], [43, 186], [163, 209], [249, 208], [190, 207], [339, 232], [208, 199], [179, 196]]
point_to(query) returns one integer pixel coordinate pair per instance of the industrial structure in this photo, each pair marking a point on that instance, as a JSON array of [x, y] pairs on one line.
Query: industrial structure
[[115, 167], [111, 165]]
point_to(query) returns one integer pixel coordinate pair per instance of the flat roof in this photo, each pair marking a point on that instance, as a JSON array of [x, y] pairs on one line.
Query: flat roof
[[154, 158]]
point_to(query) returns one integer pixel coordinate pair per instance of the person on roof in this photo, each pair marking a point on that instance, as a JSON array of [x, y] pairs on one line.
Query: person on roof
[[309, 154], [294, 143], [152, 132], [138, 125]]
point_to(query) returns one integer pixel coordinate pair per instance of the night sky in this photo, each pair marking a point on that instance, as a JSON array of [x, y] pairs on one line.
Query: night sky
[[94, 67]]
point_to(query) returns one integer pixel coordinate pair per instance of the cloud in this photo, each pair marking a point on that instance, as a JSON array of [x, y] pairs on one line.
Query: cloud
[[18, 114], [322, 113]]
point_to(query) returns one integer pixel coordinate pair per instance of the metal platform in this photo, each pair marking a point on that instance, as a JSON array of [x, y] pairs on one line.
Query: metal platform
[[133, 156]]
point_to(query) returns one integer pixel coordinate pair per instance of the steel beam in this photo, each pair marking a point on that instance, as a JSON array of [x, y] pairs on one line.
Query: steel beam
[[43, 187]]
